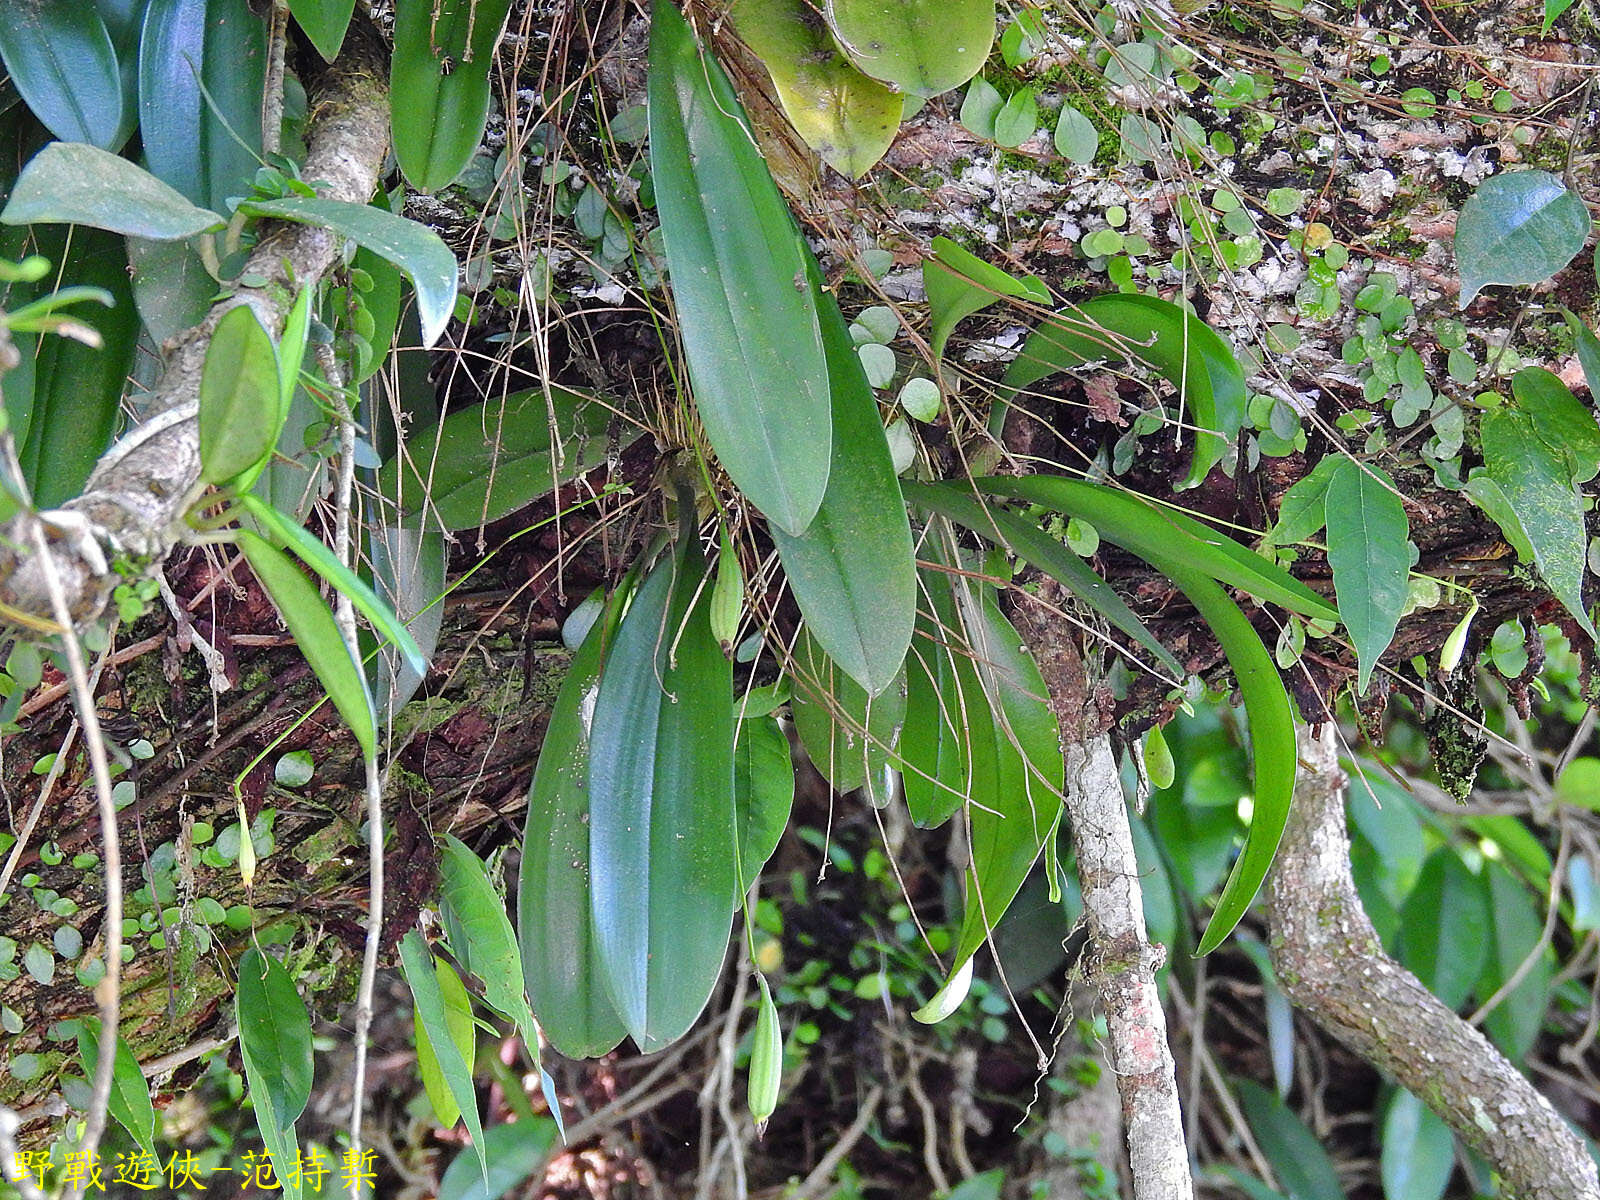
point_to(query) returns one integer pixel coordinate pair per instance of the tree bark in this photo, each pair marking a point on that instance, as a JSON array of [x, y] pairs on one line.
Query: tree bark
[[1330, 962]]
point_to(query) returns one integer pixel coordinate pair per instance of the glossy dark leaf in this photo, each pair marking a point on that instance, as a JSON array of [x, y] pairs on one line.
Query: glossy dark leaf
[[849, 735], [275, 1044], [481, 937], [1519, 227], [1369, 550], [60, 56], [324, 22], [1444, 931], [763, 793], [423, 979]]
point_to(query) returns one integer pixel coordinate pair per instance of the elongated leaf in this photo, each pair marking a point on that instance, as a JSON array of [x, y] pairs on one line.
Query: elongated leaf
[[74, 184], [171, 287], [239, 390], [414, 248], [408, 573], [202, 67], [959, 283], [1039, 550], [940, 684], [490, 459], [1369, 550], [747, 319], [1518, 227], [1444, 931], [275, 1044], [1588, 348], [326, 564], [849, 735], [1301, 1164], [463, 1036], [439, 84], [515, 1152], [1304, 507], [555, 925], [60, 57], [763, 794], [481, 937], [1419, 1151], [422, 978], [853, 572], [1147, 530], [847, 117], [661, 830], [129, 1102], [324, 22], [316, 633], [1515, 924], [921, 46], [1183, 348]]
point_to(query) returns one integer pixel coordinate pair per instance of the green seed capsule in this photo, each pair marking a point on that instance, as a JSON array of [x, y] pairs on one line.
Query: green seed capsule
[[1158, 765], [727, 596], [766, 1060]]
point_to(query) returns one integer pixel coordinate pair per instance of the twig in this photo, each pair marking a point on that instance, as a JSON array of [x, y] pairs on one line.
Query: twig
[[822, 1174]]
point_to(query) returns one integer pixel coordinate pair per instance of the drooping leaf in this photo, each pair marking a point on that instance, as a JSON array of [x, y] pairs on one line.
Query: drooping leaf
[[463, 1035], [439, 85], [323, 22], [1552, 13], [849, 735], [1515, 926], [74, 184], [1419, 1151], [747, 318], [129, 1101], [853, 572], [1588, 348], [941, 687], [1369, 550], [921, 46], [325, 563], [202, 67], [171, 286], [1519, 227], [661, 829], [1184, 349], [275, 1044], [239, 397], [413, 247], [423, 979], [481, 937], [959, 283], [61, 59], [490, 459], [763, 793], [316, 633], [847, 117], [408, 573], [555, 925], [1301, 1164], [1444, 928], [515, 1152], [1304, 507]]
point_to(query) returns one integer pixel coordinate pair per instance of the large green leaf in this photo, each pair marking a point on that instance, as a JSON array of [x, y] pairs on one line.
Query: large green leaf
[[1419, 1151], [1303, 1167], [324, 22], [1369, 550], [317, 635], [490, 459], [239, 397], [1514, 1026], [763, 793], [413, 247], [423, 979], [853, 572], [171, 286], [463, 1036], [1189, 353], [1444, 931], [275, 1044], [515, 1152], [933, 752], [959, 283], [849, 735], [555, 926], [920, 46], [60, 56], [129, 1101], [481, 937], [1518, 227], [747, 318], [439, 84], [661, 829], [72, 183], [202, 65], [847, 117]]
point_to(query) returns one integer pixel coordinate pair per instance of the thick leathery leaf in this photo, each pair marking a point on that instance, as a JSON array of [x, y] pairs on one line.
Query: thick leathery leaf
[[316, 633], [1419, 1151], [661, 828], [959, 283], [202, 66], [275, 1044], [1515, 925], [763, 794], [324, 22], [1370, 553], [849, 735], [514, 1151], [413, 247], [1043, 552], [932, 753], [129, 1102], [481, 937], [853, 572], [1152, 531], [171, 287], [60, 56], [71, 183], [1445, 928], [239, 397], [555, 927], [921, 46], [408, 572], [422, 977], [1518, 227], [1303, 1166], [439, 84], [463, 1035], [490, 459], [847, 117], [1191, 355], [737, 266]]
